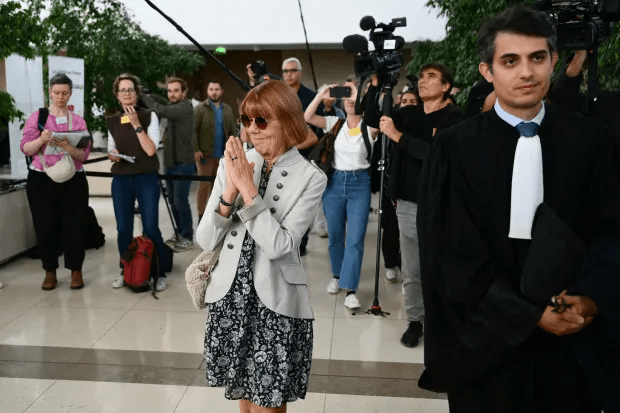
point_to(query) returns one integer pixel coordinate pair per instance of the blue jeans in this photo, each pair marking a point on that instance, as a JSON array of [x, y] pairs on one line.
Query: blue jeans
[[346, 202], [178, 192], [125, 190]]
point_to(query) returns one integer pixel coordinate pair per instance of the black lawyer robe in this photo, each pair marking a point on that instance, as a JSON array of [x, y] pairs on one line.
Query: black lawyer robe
[[477, 321]]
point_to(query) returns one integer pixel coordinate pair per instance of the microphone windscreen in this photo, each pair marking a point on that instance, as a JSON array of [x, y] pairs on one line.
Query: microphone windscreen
[[355, 43], [367, 23]]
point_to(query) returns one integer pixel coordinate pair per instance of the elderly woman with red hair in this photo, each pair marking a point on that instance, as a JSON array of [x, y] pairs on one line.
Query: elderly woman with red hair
[[258, 340]]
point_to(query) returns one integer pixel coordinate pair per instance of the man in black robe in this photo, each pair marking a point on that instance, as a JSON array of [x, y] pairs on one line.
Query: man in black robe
[[487, 344]]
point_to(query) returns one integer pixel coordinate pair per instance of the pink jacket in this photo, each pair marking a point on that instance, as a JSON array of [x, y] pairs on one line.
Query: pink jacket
[[31, 133]]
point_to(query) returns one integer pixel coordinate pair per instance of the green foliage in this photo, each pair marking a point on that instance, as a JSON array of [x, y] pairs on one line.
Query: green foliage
[[458, 49], [609, 58], [19, 31], [103, 33]]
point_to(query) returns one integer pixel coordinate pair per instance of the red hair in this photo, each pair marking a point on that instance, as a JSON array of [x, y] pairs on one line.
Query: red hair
[[277, 100]]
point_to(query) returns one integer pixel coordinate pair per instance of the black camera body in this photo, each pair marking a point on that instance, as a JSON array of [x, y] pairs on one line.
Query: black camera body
[[581, 25], [381, 55]]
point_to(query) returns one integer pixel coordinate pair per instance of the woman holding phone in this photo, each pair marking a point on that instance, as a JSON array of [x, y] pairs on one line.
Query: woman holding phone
[[58, 209], [346, 200]]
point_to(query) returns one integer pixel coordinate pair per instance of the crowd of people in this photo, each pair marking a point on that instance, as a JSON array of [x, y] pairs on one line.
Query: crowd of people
[[462, 197]]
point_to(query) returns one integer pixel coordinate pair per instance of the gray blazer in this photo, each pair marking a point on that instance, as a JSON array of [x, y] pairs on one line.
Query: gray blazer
[[277, 223]]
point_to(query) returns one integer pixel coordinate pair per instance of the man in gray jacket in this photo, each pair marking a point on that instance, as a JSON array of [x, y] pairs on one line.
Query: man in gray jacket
[[179, 147]]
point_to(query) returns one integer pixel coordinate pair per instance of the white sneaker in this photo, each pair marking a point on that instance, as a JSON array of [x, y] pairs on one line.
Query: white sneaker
[[352, 302], [161, 284], [119, 282], [172, 240], [1, 285], [321, 232], [183, 245], [333, 287], [391, 274]]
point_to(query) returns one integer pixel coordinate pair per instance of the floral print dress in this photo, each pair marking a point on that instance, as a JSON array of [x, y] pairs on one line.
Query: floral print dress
[[255, 353]]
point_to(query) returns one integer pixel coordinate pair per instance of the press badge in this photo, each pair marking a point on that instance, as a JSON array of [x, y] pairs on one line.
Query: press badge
[[61, 121], [125, 119], [355, 131]]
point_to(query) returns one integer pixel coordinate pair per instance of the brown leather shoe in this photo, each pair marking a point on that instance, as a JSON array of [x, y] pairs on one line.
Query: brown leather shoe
[[49, 283], [76, 280]]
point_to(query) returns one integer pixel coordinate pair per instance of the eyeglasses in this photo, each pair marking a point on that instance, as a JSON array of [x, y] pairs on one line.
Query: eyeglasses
[[291, 71], [259, 121], [126, 91]]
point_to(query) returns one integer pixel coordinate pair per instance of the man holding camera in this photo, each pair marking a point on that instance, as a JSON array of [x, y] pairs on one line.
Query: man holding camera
[[214, 122], [488, 343], [179, 148], [412, 129]]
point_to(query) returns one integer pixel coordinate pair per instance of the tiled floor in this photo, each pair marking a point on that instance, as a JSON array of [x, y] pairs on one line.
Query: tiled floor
[[105, 350]]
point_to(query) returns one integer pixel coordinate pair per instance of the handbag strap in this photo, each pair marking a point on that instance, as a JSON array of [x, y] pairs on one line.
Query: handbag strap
[[366, 141], [336, 128]]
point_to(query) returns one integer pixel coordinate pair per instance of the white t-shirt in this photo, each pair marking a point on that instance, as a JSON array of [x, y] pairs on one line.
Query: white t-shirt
[[349, 149], [152, 131]]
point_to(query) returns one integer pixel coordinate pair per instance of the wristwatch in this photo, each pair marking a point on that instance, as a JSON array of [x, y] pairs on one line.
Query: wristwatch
[[139, 129]]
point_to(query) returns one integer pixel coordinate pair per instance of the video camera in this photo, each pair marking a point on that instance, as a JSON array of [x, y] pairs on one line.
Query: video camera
[[381, 55], [581, 24]]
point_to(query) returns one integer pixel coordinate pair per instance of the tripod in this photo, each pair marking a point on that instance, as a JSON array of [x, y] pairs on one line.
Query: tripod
[[387, 89]]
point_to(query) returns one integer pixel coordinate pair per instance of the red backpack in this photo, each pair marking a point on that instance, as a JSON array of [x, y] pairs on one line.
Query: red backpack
[[139, 264]]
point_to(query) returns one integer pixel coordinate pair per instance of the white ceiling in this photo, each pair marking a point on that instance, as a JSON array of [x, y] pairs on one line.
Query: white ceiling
[[278, 23]]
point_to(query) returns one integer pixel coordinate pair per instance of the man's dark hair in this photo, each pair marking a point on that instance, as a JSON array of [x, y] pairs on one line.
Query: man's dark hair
[[446, 75], [517, 20], [61, 79], [182, 82], [214, 81]]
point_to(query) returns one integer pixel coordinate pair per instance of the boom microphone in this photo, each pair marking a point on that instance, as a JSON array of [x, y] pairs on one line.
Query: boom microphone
[[367, 23], [355, 43]]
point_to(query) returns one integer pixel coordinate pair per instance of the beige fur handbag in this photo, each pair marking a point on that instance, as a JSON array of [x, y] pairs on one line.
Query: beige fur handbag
[[198, 273]]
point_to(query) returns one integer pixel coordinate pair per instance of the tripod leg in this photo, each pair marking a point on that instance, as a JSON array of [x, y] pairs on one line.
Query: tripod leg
[[164, 192]]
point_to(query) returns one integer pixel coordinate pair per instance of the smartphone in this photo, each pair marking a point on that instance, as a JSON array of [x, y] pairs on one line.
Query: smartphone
[[340, 92]]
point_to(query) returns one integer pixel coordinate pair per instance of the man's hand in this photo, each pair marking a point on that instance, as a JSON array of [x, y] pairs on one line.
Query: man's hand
[[198, 156], [574, 67], [580, 305], [386, 125], [561, 324], [251, 75]]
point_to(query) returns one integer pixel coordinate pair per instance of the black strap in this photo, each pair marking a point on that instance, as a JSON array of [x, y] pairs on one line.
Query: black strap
[[43, 115], [366, 141]]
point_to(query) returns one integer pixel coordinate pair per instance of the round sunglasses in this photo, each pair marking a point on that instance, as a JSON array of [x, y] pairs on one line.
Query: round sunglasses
[[260, 121]]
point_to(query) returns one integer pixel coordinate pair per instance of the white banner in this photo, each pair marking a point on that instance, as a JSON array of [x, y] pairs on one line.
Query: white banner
[[74, 68], [24, 81]]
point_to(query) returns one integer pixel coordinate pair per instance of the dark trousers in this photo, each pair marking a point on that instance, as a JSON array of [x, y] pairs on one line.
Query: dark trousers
[[145, 188], [58, 212], [541, 381], [390, 244], [178, 192]]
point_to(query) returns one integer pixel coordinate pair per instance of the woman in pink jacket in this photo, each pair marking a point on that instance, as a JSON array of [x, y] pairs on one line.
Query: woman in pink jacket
[[58, 209]]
